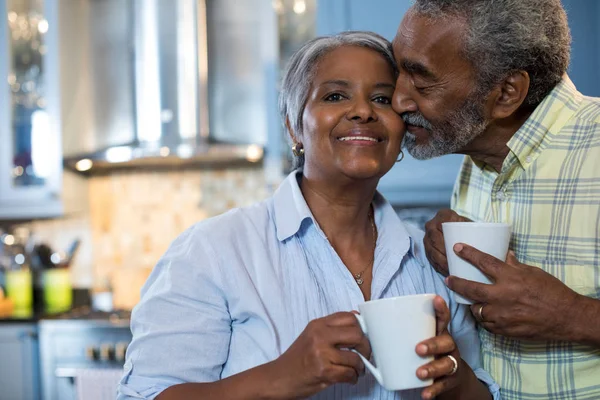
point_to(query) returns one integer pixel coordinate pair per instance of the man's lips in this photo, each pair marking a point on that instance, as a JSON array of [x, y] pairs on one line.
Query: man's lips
[[418, 131]]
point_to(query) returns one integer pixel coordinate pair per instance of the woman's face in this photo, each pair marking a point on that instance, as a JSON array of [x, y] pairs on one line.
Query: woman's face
[[349, 126]]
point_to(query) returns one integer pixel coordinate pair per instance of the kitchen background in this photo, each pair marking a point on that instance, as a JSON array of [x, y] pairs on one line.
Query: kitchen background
[[122, 123]]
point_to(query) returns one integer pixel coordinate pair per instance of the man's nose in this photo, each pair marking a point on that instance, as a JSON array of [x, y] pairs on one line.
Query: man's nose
[[402, 100]]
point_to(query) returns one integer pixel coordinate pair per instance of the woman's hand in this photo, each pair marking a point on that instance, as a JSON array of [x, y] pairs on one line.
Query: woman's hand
[[316, 360], [447, 369]]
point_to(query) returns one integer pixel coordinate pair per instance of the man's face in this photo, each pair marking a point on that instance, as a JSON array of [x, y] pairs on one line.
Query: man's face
[[435, 91]]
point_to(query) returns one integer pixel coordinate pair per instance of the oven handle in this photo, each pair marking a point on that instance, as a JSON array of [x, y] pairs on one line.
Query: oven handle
[[65, 372]]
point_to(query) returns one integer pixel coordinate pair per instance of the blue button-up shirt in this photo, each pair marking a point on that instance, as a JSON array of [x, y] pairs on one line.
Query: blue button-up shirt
[[235, 291]]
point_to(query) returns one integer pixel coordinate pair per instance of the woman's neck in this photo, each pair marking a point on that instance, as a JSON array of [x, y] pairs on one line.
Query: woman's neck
[[342, 211]]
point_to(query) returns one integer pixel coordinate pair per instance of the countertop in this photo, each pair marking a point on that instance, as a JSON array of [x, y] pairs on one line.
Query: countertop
[[81, 303]]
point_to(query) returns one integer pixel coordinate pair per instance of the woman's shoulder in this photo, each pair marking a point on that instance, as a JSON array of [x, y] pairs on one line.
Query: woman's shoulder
[[237, 223], [237, 218]]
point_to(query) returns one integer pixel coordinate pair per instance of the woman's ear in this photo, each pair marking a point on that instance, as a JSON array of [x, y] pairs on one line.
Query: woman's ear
[[510, 94], [291, 132]]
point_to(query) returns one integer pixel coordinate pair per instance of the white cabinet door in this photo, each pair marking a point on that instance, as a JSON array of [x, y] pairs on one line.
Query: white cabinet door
[[30, 132], [19, 365]]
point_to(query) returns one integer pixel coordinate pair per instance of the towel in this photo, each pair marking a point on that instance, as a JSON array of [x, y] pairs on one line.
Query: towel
[[97, 383]]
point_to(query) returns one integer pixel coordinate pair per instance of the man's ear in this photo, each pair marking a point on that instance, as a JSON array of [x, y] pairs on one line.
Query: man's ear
[[509, 95]]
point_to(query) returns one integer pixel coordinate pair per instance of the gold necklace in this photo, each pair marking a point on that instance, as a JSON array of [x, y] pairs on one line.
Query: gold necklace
[[358, 277]]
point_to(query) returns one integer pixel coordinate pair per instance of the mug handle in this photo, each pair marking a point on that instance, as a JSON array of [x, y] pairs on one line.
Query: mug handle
[[376, 373]]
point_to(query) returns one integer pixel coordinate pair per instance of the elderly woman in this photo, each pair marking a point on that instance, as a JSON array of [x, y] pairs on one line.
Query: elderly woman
[[256, 303]]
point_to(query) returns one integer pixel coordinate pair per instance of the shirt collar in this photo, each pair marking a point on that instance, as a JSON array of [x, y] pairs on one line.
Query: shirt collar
[[290, 207], [546, 121], [291, 210]]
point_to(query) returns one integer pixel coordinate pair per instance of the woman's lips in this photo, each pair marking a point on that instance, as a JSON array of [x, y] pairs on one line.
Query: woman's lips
[[359, 140]]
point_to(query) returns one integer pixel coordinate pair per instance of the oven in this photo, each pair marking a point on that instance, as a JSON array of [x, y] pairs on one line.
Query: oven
[[82, 355]]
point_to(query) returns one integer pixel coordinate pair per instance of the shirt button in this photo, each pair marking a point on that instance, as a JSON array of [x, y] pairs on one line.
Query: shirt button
[[500, 195], [487, 346], [529, 159]]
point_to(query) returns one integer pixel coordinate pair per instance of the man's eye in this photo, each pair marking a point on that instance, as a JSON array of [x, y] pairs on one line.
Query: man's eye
[[334, 97], [382, 100]]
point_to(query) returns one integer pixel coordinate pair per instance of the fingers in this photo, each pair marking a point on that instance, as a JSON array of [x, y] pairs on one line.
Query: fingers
[[341, 319], [442, 314], [511, 258], [436, 256], [342, 330], [435, 247], [332, 374], [437, 368], [482, 312], [440, 386], [478, 292], [486, 263], [346, 358], [439, 345]]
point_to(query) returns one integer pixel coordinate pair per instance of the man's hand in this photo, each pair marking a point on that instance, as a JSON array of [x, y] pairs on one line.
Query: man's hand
[[524, 302], [434, 239]]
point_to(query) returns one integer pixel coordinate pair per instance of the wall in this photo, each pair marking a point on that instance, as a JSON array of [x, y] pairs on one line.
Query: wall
[[128, 219], [585, 57]]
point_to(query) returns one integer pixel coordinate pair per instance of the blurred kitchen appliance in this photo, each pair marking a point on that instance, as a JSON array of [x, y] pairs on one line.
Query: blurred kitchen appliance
[[172, 82], [79, 345]]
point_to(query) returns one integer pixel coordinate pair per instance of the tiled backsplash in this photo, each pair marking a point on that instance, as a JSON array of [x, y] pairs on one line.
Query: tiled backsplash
[[128, 219]]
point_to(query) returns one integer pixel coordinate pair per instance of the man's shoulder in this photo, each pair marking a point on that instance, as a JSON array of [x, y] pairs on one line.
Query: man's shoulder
[[589, 112]]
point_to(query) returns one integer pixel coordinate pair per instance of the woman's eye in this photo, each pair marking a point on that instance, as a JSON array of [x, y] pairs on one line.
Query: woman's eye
[[382, 100], [334, 97]]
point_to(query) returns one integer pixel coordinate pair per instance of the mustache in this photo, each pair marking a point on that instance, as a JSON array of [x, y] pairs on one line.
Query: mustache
[[416, 119]]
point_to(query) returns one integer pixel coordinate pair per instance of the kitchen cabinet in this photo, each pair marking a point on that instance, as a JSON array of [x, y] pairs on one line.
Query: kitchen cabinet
[[410, 182], [30, 131], [19, 365]]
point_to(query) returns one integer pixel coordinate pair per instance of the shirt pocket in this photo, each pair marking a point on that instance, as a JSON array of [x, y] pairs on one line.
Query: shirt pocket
[[582, 278]]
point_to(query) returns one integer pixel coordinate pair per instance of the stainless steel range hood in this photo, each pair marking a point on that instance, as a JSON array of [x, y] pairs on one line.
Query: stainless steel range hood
[[155, 87]]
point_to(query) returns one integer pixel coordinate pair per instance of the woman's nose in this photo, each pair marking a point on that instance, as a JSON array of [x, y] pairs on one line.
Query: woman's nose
[[362, 110]]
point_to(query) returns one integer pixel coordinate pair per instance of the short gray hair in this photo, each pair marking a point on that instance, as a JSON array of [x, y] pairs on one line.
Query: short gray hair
[[504, 36], [301, 69]]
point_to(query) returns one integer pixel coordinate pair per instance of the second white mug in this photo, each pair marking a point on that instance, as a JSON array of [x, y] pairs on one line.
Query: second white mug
[[489, 237]]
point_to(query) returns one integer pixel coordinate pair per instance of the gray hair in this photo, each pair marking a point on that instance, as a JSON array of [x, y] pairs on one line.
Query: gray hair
[[504, 36], [301, 69]]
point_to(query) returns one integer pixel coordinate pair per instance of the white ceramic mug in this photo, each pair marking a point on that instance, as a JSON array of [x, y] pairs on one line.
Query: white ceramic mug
[[489, 237], [394, 327]]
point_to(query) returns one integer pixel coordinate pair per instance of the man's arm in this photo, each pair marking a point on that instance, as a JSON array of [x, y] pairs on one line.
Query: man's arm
[[586, 321]]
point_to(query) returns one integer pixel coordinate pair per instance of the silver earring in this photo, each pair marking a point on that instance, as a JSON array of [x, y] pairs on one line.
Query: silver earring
[[401, 156], [298, 149]]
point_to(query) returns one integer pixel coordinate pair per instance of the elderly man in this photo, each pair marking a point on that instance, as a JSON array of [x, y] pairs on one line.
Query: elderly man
[[488, 79]]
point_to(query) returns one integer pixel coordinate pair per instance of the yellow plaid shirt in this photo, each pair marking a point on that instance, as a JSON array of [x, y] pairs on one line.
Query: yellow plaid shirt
[[549, 190]]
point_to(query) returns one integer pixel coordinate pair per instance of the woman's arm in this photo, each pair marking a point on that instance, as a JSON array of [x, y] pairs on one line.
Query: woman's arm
[[181, 326], [182, 331], [256, 383], [313, 362]]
